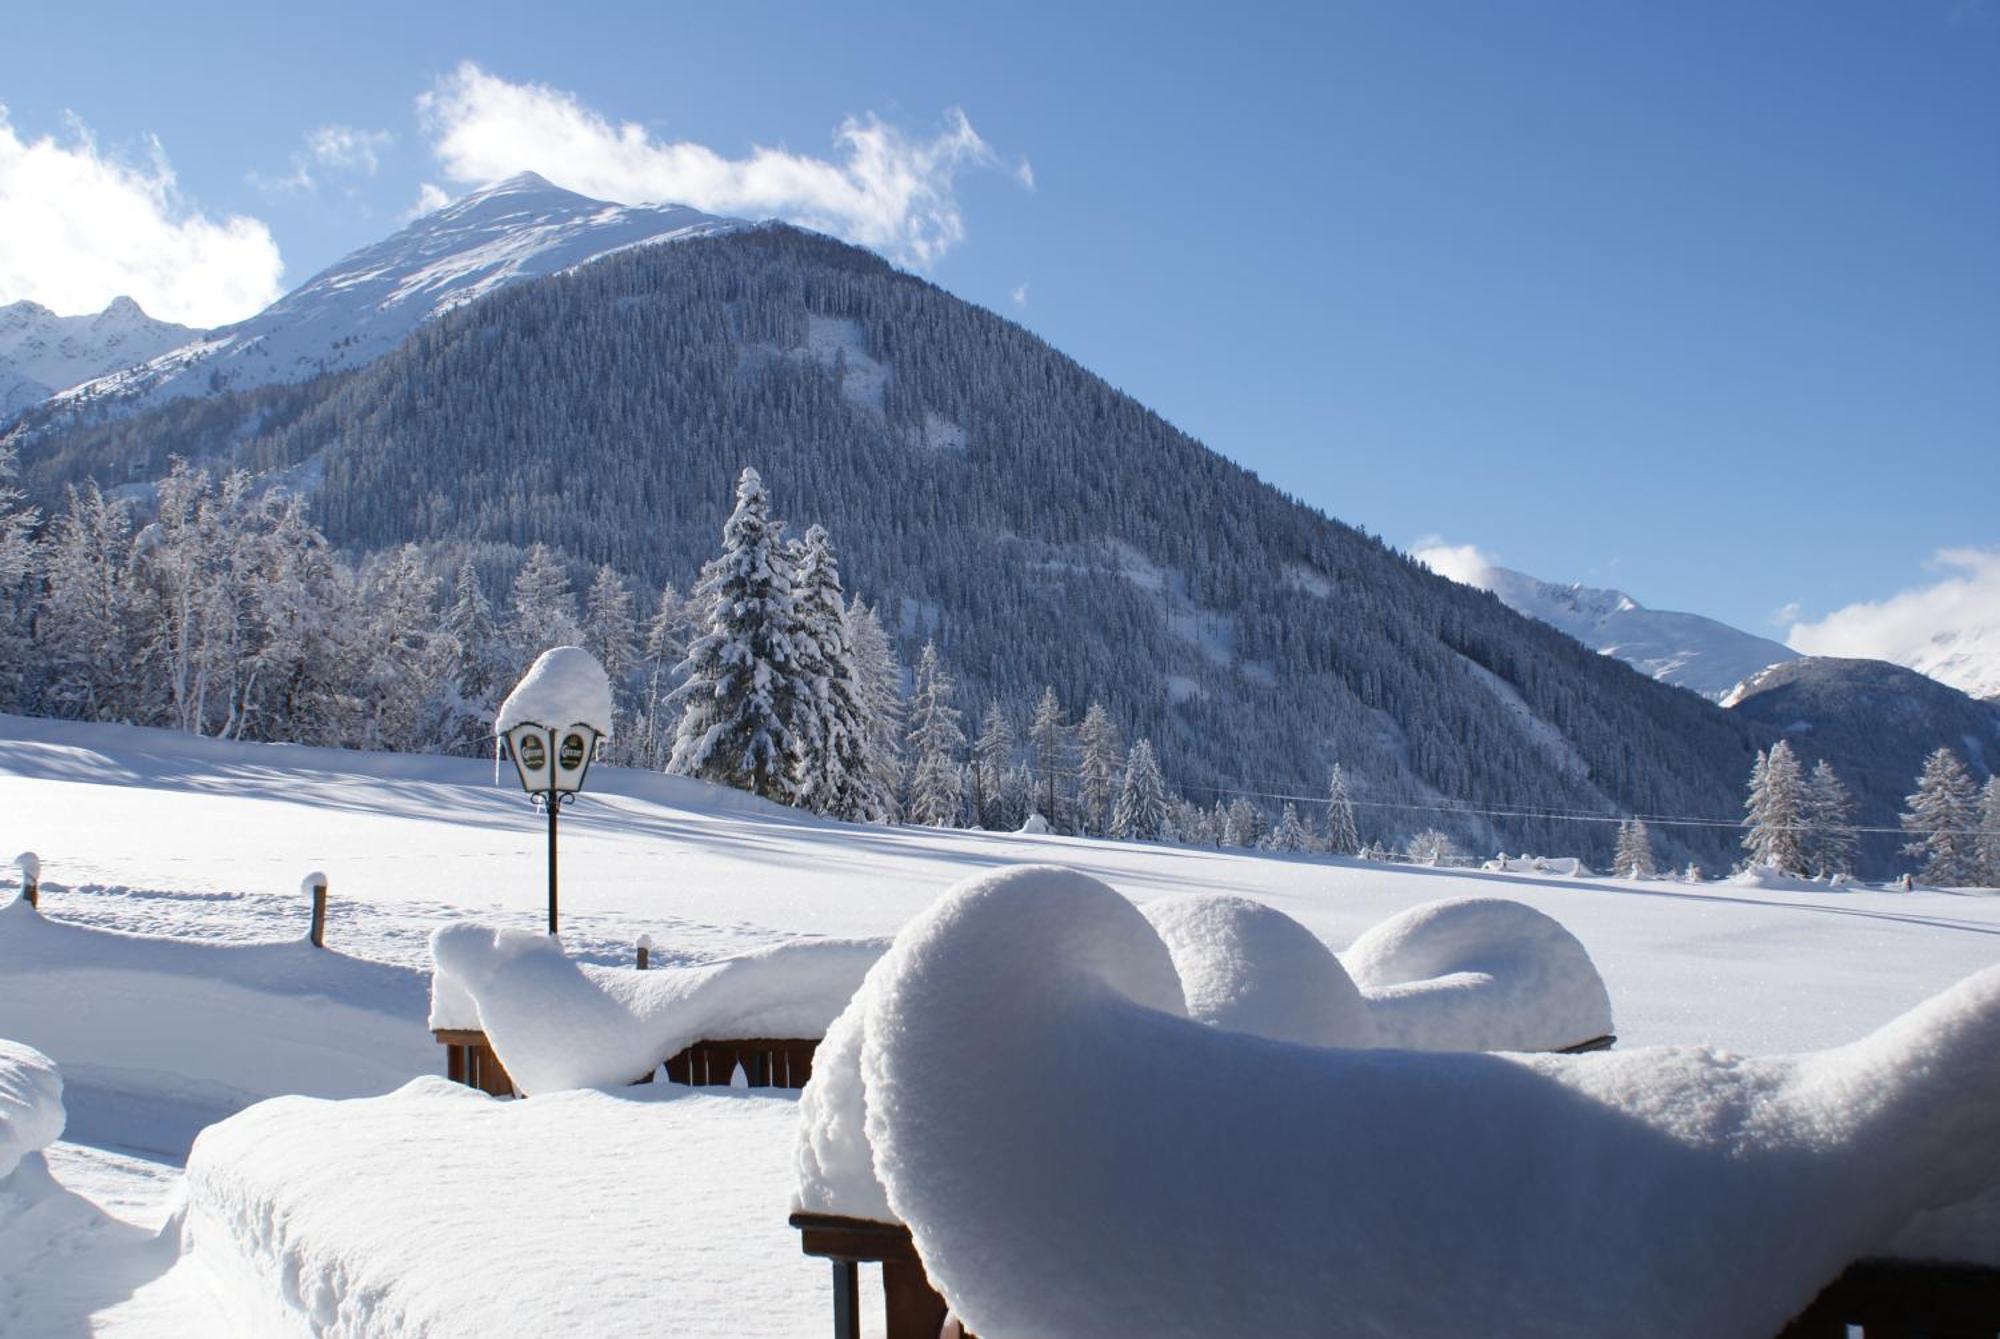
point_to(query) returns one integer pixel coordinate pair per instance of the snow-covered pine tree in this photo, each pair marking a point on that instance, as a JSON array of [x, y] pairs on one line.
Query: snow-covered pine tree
[[477, 659], [1097, 770], [1634, 857], [1142, 808], [1343, 834], [736, 698], [17, 588], [1245, 825], [935, 738], [664, 646], [610, 632], [1017, 797], [991, 754], [541, 610], [1289, 835], [408, 681], [87, 636], [1190, 822], [879, 675], [834, 776], [1775, 812], [1989, 833], [1049, 736], [1829, 824], [1943, 819]]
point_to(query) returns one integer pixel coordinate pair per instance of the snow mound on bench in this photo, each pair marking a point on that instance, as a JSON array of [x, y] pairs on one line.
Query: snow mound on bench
[[1075, 1158], [1250, 968], [438, 1211], [1478, 974], [556, 1023], [565, 686], [31, 1105]]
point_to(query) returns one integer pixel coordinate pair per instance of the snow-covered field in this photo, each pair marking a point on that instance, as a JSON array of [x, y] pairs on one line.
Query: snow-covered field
[[153, 834]]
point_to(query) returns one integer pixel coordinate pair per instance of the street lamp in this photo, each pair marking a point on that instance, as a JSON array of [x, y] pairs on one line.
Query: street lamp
[[552, 723]]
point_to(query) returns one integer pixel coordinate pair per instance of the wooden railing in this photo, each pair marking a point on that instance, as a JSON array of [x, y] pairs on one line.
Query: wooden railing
[[767, 1062]]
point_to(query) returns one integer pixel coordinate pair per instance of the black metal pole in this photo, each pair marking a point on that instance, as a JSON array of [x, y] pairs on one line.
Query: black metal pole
[[554, 803]]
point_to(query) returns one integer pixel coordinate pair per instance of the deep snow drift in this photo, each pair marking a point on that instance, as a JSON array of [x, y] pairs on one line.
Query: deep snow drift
[[1171, 1178], [159, 1037], [31, 1107]]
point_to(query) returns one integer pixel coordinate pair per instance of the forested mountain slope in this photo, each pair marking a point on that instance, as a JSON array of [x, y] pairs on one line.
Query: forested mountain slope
[[986, 491], [1876, 722]]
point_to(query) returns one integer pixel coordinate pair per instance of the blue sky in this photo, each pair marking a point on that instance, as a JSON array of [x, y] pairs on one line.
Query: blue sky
[[1698, 300]]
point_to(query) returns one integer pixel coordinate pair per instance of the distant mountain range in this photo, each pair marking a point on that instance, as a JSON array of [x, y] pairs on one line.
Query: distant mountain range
[[1687, 650], [361, 307], [42, 353]]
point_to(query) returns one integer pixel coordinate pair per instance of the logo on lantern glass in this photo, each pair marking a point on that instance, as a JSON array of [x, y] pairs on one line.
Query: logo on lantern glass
[[534, 756], [571, 756]]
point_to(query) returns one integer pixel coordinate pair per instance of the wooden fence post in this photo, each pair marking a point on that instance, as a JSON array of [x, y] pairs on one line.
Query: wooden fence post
[[645, 952], [315, 885], [30, 866]]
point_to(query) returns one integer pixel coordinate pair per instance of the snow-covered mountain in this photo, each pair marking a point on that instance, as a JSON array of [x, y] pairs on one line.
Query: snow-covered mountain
[[1967, 658], [366, 304], [1687, 650], [42, 353]]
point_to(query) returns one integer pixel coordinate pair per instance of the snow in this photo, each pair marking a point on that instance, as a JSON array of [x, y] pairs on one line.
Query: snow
[[438, 1211], [557, 1023], [1689, 650], [42, 353], [159, 1037], [1478, 974], [1250, 968], [565, 686], [368, 302], [1073, 1156], [31, 1107], [193, 849]]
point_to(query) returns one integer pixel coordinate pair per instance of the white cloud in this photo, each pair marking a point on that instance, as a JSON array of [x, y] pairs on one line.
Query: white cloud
[[1463, 563], [430, 196], [333, 148], [887, 189], [1019, 295], [346, 149], [78, 228], [1949, 628]]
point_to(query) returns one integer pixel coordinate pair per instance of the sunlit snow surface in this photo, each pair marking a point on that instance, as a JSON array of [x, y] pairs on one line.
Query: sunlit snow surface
[[154, 833]]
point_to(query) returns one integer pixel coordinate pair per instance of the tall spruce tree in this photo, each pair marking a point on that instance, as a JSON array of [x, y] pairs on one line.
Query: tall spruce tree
[[541, 609], [1775, 812], [1943, 819], [992, 752], [1634, 856], [1343, 835], [879, 676], [1989, 833], [737, 696], [664, 648], [1829, 824], [1049, 736], [936, 789], [1141, 812], [834, 774], [1097, 772], [609, 630]]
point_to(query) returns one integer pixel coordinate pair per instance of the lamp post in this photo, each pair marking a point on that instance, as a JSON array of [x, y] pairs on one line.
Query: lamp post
[[552, 723]]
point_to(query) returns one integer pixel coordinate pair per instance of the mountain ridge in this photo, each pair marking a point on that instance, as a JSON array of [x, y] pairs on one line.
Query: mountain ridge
[[42, 353], [369, 301]]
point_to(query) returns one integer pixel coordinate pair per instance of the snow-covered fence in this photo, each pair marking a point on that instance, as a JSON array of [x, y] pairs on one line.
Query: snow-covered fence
[[517, 1015]]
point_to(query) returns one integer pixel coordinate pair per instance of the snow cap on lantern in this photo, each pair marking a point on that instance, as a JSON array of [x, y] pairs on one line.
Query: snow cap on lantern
[[554, 718]]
